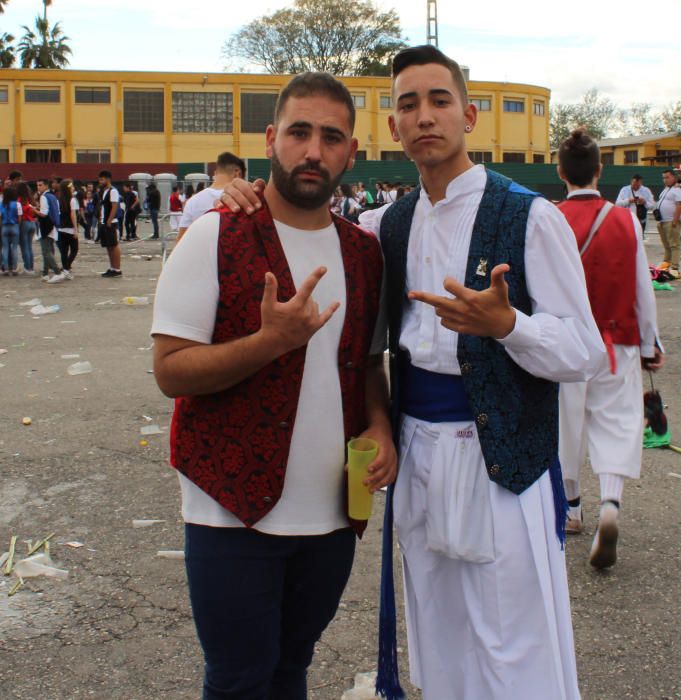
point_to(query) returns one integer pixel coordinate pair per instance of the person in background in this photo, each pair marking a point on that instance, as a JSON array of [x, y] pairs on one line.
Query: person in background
[[109, 199], [175, 206], [604, 415], [227, 167], [10, 218], [68, 227], [132, 210], [48, 220], [28, 227], [638, 199], [154, 204], [349, 206], [667, 213]]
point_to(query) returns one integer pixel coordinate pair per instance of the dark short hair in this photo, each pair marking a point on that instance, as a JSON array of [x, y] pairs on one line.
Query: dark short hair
[[44, 180], [670, 171], [309, 84], [637, 177], [105, 173], [228, 161], [15, 175], [579, 158], [425, 54]]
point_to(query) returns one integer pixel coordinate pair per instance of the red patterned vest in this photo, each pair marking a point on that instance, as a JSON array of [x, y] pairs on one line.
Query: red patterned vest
[[609, 267], [235, 444]]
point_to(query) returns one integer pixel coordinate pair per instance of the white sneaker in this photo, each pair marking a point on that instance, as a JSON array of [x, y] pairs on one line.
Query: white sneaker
[[67, 274], [604, 547], [55, 279], [45, 278], [30, 273]]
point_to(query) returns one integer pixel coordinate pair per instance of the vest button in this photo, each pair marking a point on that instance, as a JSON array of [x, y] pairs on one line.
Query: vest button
[[283, 424], [466, 368], [482, 420], [495, 470], [267, 499], [348, 365]]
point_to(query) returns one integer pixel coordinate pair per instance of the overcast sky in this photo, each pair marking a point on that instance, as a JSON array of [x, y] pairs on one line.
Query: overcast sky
[[613, 45]]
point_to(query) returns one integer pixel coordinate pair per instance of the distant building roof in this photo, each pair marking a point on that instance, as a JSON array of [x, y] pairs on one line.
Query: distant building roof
[[631, 140]]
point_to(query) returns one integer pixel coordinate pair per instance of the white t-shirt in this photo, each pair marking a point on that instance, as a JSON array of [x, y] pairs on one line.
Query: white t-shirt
[[114, 198], [667, 201], [187, 296], [199, 204], [74, 207]]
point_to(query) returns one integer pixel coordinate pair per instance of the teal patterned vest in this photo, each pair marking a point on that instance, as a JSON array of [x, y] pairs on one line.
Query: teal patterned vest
[[515, 412]]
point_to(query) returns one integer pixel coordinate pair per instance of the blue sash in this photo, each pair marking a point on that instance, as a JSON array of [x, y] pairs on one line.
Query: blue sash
[[430, 396]]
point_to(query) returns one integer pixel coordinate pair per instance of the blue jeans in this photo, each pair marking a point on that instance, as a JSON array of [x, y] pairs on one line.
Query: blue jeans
[[10, 243], [260, 603], [26, 233], [153, 213]]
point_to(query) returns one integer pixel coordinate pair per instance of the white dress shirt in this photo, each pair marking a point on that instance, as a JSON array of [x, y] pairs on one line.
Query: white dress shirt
[[627, 192], [559, 341]]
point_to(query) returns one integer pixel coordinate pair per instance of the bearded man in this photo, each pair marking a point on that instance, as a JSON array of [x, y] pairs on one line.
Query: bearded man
[[269, 389]]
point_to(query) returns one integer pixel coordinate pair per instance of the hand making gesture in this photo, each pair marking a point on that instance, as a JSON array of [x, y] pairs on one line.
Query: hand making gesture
[[485, 313]]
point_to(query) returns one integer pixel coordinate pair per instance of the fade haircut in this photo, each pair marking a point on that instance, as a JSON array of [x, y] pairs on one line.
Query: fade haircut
[[424, 55], [105, 173], [228, 161], [670, 171], [309, 84], [579, 158]]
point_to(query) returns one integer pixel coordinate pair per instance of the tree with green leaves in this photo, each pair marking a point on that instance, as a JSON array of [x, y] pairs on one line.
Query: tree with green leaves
[[320, 35], [7, 56], [45, 47], [671, 117], [596, 113]]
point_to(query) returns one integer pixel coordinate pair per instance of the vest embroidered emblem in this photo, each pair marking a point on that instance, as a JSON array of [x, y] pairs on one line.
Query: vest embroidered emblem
[[481, 270]]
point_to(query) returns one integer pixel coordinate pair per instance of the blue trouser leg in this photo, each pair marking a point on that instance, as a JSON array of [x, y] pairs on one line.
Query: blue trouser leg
[[26, 233], [260, 603]]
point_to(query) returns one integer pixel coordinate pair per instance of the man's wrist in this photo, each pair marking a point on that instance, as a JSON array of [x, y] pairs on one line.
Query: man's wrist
[[507, 325]]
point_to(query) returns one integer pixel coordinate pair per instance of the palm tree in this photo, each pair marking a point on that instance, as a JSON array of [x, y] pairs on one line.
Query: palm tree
[[44, 48], [7, 56]]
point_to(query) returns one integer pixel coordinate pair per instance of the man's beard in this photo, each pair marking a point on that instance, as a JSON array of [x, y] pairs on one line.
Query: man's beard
[[304, 196]]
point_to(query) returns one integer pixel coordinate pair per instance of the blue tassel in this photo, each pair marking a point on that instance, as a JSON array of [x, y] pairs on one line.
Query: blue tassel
[[388, 677], [559, 499]]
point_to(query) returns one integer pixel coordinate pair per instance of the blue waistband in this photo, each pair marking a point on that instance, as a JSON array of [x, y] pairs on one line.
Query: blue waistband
[[430, 396]]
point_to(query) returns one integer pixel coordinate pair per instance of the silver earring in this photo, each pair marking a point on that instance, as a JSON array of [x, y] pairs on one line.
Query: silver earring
[[468, 128]]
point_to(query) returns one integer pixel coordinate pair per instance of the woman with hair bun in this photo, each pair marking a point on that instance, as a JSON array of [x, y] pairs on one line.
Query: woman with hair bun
[[604, 416]]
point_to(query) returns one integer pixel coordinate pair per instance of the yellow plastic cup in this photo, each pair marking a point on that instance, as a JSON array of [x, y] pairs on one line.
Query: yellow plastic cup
[[361, 453]]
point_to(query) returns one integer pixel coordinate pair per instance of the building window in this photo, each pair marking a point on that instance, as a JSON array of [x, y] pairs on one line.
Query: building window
[[257, 111], [480, 156], [631, 157], [538, 158], [360, 101], [4, 155], [385, 102], [514, 105], [43, 155], [202, 112], [361, 155], [41, 95], [538, 109], [4, 94], [90, 156], [509, 157], [607, 158], [93, 95], [393, 155], [484, 104], [667, 156], [143, 110]]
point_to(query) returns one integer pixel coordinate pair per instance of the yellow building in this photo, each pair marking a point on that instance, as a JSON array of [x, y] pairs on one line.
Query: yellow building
[[71, 116], [649, 149]]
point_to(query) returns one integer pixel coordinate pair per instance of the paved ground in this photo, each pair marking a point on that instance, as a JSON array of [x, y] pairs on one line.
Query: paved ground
[[119, 627]]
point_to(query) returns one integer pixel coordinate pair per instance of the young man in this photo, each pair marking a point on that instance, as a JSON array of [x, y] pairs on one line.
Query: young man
[[107, 231], [668, 215], [605, 414], [48, 220], [479, 502], [270, 390], [132, 210], [227, 167]]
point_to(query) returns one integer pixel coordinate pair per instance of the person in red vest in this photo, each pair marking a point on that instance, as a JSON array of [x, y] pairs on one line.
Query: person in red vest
[[175, 206], [604, 415], [268, 390]]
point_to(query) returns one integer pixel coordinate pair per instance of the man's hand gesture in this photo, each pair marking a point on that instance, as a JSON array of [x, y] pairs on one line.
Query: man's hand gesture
[[485, 313], [290, 325]]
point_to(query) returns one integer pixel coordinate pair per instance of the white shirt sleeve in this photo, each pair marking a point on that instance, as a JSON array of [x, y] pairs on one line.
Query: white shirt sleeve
[[646, 308], [560, 340], [44, 207], [623, 197], [20, 210], [370, 220], [188, 216], [188, 291]]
